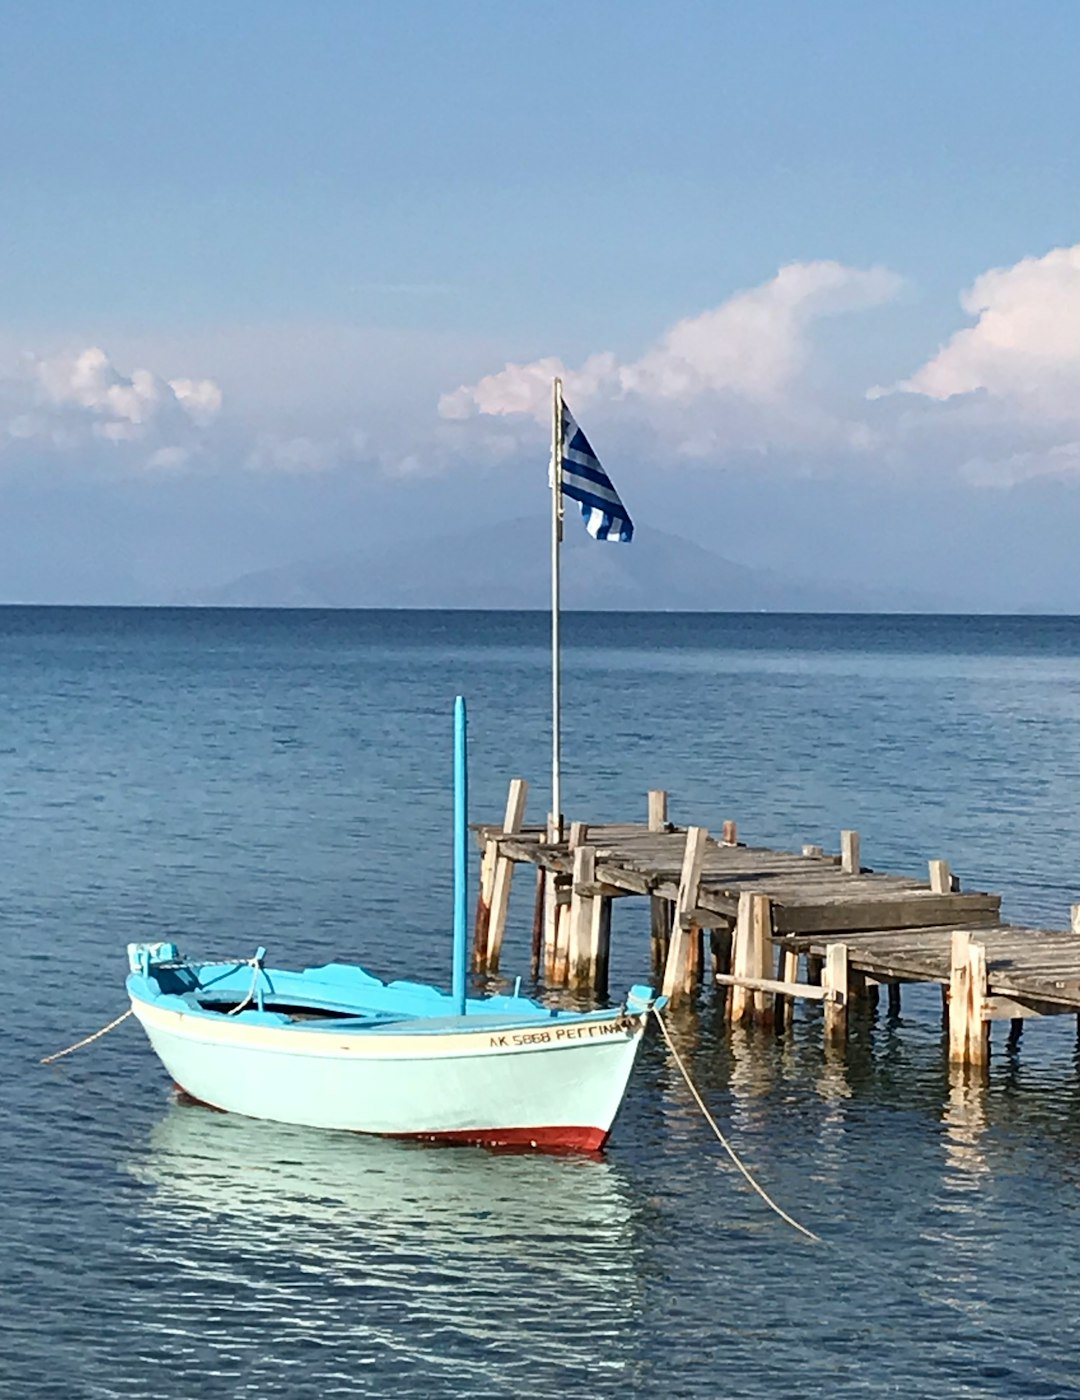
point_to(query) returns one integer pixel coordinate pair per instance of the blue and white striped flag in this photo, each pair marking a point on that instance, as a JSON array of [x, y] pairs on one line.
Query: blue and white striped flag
[[584, 480]]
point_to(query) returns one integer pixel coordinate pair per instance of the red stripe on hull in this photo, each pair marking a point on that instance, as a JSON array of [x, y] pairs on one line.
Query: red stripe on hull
[[510, 1139], [518, 1139]]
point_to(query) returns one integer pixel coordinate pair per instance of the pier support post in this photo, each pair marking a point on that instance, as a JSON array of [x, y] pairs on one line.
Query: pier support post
[[850, 860], [940, 877], [539, 907], [751, 956], [557, 929], [731, 833], [787, 970], [496, 873], [582, 971], [600, 944], [660, 910], [720, 943], [969, 1027], [678, 958], [834, 979]]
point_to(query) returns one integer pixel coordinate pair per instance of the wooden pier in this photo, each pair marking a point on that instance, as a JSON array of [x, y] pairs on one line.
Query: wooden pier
[[771, 926]]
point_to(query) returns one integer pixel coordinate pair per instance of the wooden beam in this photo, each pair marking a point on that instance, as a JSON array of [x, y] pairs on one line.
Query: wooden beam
[[690, 878], [771, 984], [834, 982], [660, 910], [600, 944], [968, 1015], [502, 873], [751, 961], [581, 972], [730, 834], [539, 905], [940, 877], [867, 913], [850, 860]]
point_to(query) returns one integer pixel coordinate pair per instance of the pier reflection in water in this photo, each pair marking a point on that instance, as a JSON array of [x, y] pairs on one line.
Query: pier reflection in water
[[491, 1264]]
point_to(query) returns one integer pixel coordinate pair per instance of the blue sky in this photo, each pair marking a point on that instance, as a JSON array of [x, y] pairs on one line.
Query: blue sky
[[321, 220]]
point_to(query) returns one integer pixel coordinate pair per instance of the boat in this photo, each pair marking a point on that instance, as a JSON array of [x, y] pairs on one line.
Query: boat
[[335, 1047]]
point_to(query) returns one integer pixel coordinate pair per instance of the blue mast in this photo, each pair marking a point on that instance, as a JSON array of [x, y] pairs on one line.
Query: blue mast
[[461, 852]]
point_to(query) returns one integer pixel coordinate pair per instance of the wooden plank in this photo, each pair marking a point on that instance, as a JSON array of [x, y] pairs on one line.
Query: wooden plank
[[834, 982], [658, 809], [906, 911], [751, 961], [503, 875], [581, 972], [940, 877], [686, 898], [770, 984], [850, 860]]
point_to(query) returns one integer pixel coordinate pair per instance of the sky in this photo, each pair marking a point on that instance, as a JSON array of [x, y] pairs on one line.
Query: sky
[[279, 280]]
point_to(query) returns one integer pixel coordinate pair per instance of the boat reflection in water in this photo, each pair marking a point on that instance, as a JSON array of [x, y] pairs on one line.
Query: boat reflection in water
[[518, 1265]]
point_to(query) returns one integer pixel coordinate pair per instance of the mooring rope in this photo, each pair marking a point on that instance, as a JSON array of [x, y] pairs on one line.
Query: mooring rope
[[86, 1040], [723, 1140], [256, 964]]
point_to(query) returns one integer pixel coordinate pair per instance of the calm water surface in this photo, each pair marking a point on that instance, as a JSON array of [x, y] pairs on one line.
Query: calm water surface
[[229, 779]]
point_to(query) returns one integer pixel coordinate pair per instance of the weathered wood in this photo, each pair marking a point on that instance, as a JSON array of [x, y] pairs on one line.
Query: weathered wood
[[730, 835], [695, 958], [502, 873], [687, 898], [751, 961], [1074, 918], [850, 861], [720, 941], [561, 934], [771, 984], [579, 951], [661, 917], [788, 969], [968, 1014], [539, 905], [660, 911], [940, 877], [895, 928], [600, 944], [834, 982], [864, 912], [483, 904]]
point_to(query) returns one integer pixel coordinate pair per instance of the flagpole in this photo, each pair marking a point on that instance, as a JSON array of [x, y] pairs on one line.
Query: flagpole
[[556, 538]]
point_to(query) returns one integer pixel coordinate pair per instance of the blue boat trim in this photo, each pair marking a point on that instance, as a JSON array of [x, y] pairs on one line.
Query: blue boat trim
[[334, 998]]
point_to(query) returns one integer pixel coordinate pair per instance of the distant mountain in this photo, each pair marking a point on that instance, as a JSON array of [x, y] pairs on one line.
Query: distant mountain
[[507, 566]]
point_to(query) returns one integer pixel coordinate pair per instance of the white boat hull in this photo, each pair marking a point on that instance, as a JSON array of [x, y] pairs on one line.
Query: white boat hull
[[557, 1087]]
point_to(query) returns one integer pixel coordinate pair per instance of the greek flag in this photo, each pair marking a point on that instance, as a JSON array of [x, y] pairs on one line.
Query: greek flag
[[584, 480]]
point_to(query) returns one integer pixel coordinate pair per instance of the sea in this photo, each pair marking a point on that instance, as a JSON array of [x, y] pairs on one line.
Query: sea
[[229, 779]]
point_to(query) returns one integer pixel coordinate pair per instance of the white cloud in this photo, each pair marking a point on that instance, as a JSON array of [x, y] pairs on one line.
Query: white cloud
[[1024, 348], [64, 400], [751, 349]]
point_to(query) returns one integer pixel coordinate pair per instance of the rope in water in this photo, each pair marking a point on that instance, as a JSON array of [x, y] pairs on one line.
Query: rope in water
[[86, 1040], [723, 1140]]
